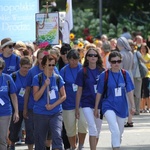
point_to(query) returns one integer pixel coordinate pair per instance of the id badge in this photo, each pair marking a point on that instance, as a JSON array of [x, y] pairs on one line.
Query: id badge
[[95, 88], [74, 87], [52, 94], [118, 91], [22, 92], [2, 102]]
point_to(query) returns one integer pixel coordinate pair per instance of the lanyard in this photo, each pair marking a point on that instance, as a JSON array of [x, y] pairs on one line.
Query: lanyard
[[8, 64], [72, 72], [22, 83], [116, 81], [93, 75]]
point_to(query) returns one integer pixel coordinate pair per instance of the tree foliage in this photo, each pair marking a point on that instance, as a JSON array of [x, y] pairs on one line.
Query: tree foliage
[[134, 14]]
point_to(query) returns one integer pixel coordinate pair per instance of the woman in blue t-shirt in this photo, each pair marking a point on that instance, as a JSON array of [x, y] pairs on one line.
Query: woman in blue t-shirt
[[20, 78], [49, 93], [87, 82], [114, 101], [73, 127], [7, 95]]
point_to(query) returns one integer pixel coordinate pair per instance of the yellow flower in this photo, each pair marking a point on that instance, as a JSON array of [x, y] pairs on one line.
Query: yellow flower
[[72, 36], [96, 41], [135, 47], [80, 45]]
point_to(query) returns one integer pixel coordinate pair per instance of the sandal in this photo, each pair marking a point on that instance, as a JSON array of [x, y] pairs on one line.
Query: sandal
[[128, 124]]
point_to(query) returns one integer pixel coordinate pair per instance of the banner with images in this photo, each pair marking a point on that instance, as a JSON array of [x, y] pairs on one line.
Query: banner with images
[[17, 19], [47, 28]]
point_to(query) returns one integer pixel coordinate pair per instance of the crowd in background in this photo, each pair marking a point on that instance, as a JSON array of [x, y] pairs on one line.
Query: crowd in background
[[58, 110]]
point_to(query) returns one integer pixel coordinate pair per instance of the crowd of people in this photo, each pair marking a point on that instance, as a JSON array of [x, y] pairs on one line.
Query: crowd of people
[[61, 94]]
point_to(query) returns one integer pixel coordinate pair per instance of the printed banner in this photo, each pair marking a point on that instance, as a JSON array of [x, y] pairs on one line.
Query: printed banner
[[17, 19], [47, 28]]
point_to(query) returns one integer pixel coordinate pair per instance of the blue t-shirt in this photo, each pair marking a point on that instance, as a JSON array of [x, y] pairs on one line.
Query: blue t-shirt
[[32, 72], [116, 103], [39, 106], [88, 82], [69, 75], [11, 63], [21, 83], [56, 70], [5, 104]]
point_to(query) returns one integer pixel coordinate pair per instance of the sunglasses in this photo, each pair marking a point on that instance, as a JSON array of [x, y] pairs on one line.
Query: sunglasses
[[1, 68], [116, 61], [92, 55], [51, 65], [10, 46]]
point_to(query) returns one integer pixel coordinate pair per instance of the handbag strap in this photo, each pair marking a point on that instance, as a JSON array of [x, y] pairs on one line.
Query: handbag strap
[[138, 58]]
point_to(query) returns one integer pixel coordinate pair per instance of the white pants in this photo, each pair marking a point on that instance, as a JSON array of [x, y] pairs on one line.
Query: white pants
[[116, 127], [94, 124]]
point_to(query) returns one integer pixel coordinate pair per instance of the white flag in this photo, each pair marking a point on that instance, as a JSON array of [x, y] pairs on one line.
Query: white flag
[[68, 22]]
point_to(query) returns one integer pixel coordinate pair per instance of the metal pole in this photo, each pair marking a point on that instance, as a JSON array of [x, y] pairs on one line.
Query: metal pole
[[100, 16]]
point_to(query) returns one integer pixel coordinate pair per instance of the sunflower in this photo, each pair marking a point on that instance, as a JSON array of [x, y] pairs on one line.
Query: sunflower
[[96, 41], [72, 36], [80, 45]]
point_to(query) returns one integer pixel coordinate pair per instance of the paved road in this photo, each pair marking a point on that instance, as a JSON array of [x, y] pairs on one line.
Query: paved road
[[136, 138]]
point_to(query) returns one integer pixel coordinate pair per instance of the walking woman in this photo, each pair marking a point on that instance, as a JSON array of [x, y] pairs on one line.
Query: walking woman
[[7, 95], [145, 102], [74, 128], [114, 103], [48, 96], [87, 83], [29, 100]]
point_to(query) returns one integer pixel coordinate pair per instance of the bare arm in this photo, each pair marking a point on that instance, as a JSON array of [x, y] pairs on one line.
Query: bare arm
[[97, 100], [131, 100], [144, 61], [38, 92], [78, 97], [26, 99], [15, 105]]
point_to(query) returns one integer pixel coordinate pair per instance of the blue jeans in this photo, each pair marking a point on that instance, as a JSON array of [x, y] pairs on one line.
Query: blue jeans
[[44, 123]]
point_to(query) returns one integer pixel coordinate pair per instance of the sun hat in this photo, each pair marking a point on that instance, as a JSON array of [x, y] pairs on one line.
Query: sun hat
[[7, 41], [106, 46], [20, 45]]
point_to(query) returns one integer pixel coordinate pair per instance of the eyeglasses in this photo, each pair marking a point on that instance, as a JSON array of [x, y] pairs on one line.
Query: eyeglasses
[[51, 65], [116, 61], [10, 46], [92, 55]]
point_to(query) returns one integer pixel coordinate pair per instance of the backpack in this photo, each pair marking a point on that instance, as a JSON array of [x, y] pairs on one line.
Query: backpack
[[8, 82], [14, 76], [104, 94], [55, 75]]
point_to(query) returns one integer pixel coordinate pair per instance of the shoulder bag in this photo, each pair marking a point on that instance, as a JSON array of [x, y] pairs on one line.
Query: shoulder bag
[[142, 67]]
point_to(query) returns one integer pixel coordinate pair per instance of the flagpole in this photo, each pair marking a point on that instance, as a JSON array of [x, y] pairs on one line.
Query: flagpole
[[68, 23], [100, 16]]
